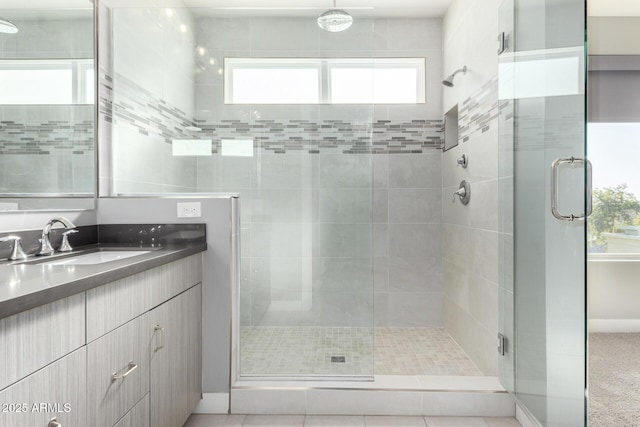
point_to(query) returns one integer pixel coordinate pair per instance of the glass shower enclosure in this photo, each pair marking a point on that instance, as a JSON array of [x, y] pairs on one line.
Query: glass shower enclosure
[[544, 199]]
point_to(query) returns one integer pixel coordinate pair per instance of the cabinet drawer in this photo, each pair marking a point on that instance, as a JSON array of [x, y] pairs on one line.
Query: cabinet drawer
[[58, 390], [124, 351], [33, 339], [116, 303], [138, 416]]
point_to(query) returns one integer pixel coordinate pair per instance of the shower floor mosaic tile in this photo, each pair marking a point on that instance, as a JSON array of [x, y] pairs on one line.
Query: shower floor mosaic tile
[[308, 351]]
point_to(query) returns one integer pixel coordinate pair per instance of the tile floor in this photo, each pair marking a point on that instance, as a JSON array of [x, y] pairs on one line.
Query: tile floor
[[345, 421], [290, 351]]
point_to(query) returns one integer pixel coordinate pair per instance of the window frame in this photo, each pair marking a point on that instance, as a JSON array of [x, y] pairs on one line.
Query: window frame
[[78, 68], [324, 67]]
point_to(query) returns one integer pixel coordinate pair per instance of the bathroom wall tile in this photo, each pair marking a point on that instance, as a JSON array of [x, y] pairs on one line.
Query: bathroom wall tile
[[278, 171], [277, 239], [484, 260], [380, 167], [419, 171], [380, 308], [454, 212], [340, 171], [380, 205], [415, 205], [483, 208], [282, 276], [381, 274], [363, 402], [456, 284], [208, 173], [340, 308], [281, 205], [345, 205], [380, 240], [408, 309], [407, 34], [224, 33], [235, 172], [343, 274], [415, 274], [455, 247], [411, 240], [288, 34], [485, 307], [342, 240], [363, 34]]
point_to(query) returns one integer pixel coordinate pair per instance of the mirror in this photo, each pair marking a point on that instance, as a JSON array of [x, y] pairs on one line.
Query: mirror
[[47, 105]]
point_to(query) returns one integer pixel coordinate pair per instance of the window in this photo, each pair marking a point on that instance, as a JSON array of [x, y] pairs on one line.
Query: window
[[47, 82], [325, 81]]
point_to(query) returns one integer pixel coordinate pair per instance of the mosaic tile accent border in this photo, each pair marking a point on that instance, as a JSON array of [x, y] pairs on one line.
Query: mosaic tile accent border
[[293, 351], [140, 109], [479, 112], [46, 137]]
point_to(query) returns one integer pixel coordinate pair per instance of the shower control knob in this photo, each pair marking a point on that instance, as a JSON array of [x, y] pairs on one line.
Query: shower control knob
[[463, 161]]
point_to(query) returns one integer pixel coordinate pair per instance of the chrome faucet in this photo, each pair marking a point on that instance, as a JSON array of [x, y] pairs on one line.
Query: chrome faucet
[[45, 243], [17, 252]]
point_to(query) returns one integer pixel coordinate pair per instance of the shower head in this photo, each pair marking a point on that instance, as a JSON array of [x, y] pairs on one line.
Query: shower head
[[448, 82], [335, 20], [7, 27]]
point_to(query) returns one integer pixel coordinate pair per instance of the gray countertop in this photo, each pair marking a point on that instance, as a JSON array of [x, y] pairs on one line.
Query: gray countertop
[[26, 286]]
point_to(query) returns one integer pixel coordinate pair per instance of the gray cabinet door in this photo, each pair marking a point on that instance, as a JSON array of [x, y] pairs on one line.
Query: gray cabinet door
[[176, 358], [123, 350], [138, 416], [58, 390]]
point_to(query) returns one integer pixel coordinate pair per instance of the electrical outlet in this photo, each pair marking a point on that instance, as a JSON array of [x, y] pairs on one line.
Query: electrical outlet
[[189, 210]]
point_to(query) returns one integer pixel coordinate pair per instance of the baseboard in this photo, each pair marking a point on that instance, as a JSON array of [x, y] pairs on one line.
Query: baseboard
[[614, 325], [213, 403]]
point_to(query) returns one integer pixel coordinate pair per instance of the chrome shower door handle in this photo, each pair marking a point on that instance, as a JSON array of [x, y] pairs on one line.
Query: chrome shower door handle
[[555, 166]]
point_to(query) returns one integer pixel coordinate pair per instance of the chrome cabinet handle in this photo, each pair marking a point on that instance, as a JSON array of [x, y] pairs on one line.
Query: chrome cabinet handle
[[161, 329], [53, 422], [131, 367], [555, 166]]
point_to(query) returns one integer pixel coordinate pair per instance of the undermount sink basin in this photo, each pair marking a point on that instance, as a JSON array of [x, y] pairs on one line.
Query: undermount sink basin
[[96, 258]]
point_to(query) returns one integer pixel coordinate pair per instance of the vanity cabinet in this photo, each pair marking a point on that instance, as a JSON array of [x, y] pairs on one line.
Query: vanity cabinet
[[138, 416], [176, 380], [58, 390], [124, 354], [117, 372], [35, 338]]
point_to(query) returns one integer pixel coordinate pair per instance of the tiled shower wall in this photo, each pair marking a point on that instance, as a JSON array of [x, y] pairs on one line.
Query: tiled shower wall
[[320, 246], [146, 98], [47, 148], [470, 233]]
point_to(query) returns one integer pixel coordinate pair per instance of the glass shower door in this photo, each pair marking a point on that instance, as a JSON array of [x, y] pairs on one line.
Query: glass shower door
[[543, 204]]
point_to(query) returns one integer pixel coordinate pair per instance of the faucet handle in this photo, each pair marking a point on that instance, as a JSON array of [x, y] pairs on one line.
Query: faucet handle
[[66, 246], [17, 252]]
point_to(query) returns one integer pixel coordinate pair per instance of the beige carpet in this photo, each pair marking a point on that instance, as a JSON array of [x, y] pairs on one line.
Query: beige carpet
[[614, 380]]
